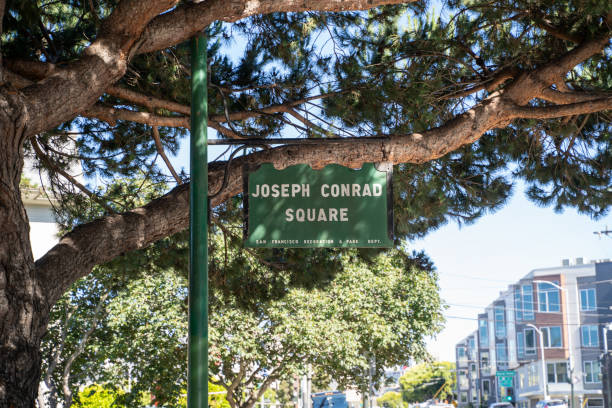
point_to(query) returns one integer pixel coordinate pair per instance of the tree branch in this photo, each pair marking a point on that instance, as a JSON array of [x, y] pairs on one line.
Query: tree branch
[[112, 115], [272, 109], [309, 124], [188, 19], [558, 32], [147, 101], [548, 112], [57, 353], [162, 153], [234, 384], [531, 84], [61, 95], [224, 131], [42, 156], [105, 238], [570, 96], [80, 349], [490, 84], [69, 90]]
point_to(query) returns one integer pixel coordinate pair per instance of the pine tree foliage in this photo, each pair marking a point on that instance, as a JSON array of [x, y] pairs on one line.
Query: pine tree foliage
[[392, 70]]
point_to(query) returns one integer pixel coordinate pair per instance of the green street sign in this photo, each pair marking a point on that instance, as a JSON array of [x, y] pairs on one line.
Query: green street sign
[[299, 207], [505, 378]]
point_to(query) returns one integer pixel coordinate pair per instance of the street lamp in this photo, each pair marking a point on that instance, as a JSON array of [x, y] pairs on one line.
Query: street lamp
[[569, 338], [544, 379]]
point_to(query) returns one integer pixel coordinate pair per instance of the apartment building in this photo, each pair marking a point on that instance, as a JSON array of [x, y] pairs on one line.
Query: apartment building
[[540, 338], [468, 370]]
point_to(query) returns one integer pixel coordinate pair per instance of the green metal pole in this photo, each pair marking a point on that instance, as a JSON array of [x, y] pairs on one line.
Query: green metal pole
[[197, 381]]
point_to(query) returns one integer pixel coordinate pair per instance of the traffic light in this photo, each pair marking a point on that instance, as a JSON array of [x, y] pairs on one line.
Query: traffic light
[[509, 394]]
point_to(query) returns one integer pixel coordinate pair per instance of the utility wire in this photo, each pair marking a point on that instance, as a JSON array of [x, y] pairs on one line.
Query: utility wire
[[534, 310]]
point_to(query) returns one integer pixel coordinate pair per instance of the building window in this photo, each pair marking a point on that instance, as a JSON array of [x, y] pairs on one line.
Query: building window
[[530, 343], [473, 372], [523, 302], [463, 397], [484, 360], [501, 355], [592, 372], [587, 299], [462, 379], [552, 337], [520, 343], [557, 372], [486, 389], [483, 333], [471, 344], [500, 323], [595, 402], [590, 336], [548, 297], [518, 303], [527, 302]]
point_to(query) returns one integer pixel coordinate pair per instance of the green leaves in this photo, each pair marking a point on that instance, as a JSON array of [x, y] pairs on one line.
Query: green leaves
[[422, 382], [391, 70], [378, 311]]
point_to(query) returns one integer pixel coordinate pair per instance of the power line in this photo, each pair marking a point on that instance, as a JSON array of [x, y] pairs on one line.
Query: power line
[[547, 325], [534, 310]]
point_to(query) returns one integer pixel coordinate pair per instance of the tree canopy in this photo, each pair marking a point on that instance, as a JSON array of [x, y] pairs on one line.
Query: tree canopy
[[426, 380], [130, 334], [372, 314], [466, 99]]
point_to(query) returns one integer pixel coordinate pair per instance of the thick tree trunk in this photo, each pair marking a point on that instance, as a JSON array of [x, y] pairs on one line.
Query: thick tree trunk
[[23, 308]]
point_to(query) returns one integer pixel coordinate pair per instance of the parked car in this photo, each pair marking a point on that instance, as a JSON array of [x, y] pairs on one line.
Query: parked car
[[502, 405], [551, 403]]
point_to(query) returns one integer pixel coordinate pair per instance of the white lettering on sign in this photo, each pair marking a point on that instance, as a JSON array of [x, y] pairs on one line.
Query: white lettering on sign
[[351, 190], [316, 215], [282, 190], [344, 214]]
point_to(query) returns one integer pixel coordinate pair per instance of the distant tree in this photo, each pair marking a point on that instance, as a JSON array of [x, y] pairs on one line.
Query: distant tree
[[217, 396], [391, 399], [422, 381], [379, 311], [97, 396], [128, 330], [286, 393]]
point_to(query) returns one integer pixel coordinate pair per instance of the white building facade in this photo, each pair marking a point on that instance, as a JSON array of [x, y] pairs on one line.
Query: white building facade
[[548, 330]]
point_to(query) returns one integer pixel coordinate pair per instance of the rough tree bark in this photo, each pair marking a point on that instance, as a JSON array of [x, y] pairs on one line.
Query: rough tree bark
[[24, 309], [28, 289], [24, 296]]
